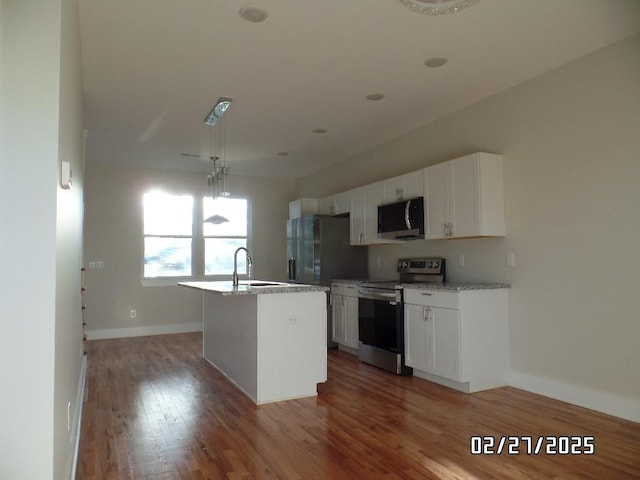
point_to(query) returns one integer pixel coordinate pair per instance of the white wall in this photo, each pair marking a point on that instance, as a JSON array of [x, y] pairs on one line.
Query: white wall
[[572, 174], [113, 234], [40, 357], [68, 331]]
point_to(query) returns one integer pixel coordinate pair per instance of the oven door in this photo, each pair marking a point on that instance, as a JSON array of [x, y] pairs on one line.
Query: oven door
[[380, 318]]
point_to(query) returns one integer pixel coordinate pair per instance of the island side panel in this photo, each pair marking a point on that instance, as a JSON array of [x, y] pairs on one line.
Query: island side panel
[[230, 340], [292, 345]]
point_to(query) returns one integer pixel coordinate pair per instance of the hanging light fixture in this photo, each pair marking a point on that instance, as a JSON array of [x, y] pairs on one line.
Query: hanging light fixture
[[221, 106], [218, 176], [438, 7]]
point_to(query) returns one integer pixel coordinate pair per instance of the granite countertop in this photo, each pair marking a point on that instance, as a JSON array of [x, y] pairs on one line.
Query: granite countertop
[[455, 287], [445, 287], [252, 287]]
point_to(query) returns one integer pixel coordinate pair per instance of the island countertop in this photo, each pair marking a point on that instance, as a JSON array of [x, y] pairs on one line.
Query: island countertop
[[252, 287]]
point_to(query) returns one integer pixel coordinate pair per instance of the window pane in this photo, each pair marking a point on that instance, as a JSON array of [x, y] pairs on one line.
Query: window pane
[[168, 214], [218, 256], [167, 257], [233, 209]]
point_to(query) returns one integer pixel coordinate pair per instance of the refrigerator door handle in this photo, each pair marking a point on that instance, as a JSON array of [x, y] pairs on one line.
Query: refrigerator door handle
[[292, 268]]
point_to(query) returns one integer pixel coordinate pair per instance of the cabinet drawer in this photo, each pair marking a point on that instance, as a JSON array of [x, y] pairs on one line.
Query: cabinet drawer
[[350, 290], [336, 288], [431, 298]]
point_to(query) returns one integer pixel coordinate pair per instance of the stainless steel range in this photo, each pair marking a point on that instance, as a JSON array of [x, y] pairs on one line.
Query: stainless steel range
[[381, 313]]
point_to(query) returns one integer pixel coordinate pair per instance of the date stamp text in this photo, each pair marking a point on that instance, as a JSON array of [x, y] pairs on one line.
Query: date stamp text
[[532, 445]]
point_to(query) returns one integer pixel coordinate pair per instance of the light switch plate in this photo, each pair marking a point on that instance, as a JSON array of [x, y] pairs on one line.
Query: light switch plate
[[65, 175]]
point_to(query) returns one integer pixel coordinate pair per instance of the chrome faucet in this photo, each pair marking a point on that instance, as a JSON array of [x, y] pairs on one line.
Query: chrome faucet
[[235, 264]]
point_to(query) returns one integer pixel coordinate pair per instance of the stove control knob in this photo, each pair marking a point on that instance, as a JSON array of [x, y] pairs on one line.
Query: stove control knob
[[436, 264], [430, 264]]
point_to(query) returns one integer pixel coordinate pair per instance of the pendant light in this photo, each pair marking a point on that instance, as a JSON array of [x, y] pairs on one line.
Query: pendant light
[[218, 176]]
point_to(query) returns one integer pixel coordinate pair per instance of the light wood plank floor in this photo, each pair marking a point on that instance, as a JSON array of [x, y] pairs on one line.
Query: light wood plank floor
[[154, 409]]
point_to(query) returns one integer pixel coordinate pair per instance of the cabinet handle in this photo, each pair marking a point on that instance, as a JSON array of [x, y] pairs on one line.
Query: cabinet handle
[[426, 294]]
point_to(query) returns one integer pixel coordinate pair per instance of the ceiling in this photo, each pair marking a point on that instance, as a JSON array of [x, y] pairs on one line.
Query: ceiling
[[152, 70]]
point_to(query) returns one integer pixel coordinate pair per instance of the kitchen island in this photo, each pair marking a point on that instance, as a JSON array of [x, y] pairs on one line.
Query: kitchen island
[[268, 338]]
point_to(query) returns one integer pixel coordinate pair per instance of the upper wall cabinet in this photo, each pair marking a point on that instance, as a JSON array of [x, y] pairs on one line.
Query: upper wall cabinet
[[303, 206], [403, 187], [364, 214], [465, 197], [337, 204]]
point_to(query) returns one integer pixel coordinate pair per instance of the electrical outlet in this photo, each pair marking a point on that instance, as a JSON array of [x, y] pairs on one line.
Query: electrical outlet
[[96, 264], [461, 259], [292, 321], [511, 259], [133, 313]]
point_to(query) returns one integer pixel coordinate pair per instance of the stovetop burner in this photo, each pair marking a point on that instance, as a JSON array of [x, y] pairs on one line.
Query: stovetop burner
[[413, 270]]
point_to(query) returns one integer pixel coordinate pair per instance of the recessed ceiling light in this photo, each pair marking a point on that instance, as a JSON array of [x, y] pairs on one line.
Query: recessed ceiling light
[[435, 61], [282, 154], [253, 14], [320, 130], [374, 97]]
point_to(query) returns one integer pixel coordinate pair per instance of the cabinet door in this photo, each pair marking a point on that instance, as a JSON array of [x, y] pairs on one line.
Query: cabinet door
[[464, 197], [403, 187], [326, 206], [416, 337], [437, 188], [337, 315], [413, 185], [393, 190], [372, 198], [445, 343], [351, 322], [337, 204], [341, 203], [357, 216]]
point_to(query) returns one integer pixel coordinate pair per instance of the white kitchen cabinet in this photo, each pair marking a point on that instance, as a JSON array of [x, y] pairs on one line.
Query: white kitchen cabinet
[[432, 340], [337, 313], [465, 197], [364, 215], [458, 339], [344, 308], [338, 204], [303, 206], [403, 187]]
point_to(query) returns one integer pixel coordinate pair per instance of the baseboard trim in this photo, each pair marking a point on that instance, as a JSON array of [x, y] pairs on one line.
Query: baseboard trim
[[78, 420], [611, 404], [144, 331]]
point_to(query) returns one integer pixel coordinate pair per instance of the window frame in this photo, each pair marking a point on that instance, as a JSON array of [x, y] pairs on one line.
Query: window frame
[[202, 237], [197, 242]]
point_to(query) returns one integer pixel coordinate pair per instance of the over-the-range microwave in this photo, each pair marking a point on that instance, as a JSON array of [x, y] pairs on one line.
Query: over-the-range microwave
[[402, 220]]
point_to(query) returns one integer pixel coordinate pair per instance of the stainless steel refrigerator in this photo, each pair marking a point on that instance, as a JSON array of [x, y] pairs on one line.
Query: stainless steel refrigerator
[[318, 250]]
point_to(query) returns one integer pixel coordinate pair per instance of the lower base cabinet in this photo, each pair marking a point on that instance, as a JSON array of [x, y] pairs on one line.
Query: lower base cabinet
[[458, 339], [344, 310]]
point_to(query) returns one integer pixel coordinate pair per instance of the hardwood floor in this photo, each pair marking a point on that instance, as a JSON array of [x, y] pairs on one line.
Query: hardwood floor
[[154, 409]]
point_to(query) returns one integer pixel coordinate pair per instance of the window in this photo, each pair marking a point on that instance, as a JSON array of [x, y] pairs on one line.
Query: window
[[177, 246], [221, 240], [168, 235]]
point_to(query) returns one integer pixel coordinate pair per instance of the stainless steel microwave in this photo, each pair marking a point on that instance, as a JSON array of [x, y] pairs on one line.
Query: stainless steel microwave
[[402, 220]]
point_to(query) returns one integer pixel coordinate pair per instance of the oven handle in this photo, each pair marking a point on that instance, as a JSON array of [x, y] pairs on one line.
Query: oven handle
[[372, 294]]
